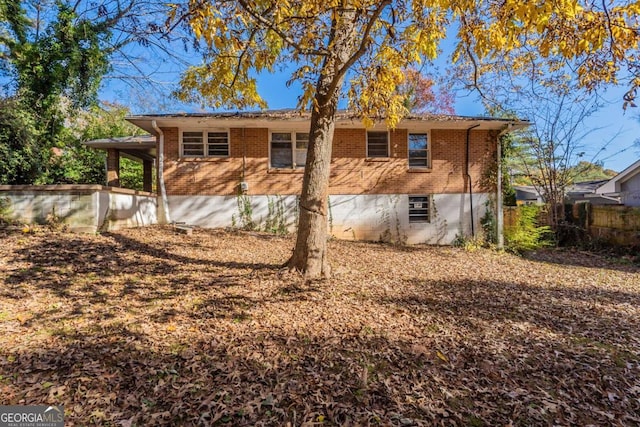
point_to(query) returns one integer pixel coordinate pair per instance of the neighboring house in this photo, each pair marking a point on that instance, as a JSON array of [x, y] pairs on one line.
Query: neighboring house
[[582, 192], [420, 183], [624, 187], [579, 192], [527, 195]]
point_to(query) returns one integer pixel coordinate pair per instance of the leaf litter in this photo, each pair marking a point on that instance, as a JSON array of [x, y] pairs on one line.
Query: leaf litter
[[149, 327]]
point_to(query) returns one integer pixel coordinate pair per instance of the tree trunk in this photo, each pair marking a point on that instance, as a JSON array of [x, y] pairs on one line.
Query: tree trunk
[[310, 253]]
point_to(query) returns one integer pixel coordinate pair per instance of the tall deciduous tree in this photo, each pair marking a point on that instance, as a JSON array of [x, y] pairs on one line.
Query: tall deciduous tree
[[76, 163], [535, 80], [423, 95], [553, 146], [47, 54], [54, 55], [359, 49]]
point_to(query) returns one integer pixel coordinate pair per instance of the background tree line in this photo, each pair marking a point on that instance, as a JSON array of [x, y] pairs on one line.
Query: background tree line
[[54, 56]]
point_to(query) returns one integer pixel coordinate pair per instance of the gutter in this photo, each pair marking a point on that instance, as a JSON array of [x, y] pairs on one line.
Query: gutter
[[614, 197], [165, 218], [473, 231]]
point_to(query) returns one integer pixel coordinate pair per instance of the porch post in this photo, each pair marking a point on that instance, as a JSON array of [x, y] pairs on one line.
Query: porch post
[[113, 167], [147, 166]]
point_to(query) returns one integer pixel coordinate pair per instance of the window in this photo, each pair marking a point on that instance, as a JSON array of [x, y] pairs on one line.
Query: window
[[419, 209], [205, 144], [302, 143], [289, 150], [192, 144], [377, 144], [218, 144], [418, 150]]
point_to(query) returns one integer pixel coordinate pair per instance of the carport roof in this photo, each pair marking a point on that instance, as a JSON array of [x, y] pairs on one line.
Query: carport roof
[[141, 147]]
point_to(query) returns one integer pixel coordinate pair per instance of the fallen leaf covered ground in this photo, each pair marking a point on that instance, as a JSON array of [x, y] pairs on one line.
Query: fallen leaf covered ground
[[149, 327]]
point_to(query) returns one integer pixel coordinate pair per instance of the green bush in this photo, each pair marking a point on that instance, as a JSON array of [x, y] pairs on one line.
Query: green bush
[[526, 234], [489, 224], [21, 159]]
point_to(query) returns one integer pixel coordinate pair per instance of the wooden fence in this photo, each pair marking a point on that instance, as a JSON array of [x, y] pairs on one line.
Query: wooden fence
[[614, 224], [618, 225]]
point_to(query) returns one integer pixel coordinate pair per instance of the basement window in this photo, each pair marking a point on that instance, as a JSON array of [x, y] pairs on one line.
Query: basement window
[[419, 209]]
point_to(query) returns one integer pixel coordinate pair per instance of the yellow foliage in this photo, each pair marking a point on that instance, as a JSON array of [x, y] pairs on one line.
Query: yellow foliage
[[248, 37]]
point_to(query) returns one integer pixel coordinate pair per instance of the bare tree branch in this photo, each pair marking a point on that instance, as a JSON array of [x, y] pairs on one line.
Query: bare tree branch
[[274, 27]]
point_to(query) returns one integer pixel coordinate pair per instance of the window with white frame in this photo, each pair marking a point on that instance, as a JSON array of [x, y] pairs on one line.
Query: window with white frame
[[205, 143], [289, 149], [302, 144], [218, 144], [377, 144], [418, 150], [419, 208]]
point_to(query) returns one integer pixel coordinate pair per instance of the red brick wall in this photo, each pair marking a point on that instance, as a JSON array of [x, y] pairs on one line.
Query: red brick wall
[[351, 172], [113, 167]]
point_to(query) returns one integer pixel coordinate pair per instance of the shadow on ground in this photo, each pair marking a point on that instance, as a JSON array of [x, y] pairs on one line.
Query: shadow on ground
[[134, 333]]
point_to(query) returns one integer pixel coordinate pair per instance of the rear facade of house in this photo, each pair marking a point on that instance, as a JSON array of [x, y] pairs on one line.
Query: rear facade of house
[[426, 181]]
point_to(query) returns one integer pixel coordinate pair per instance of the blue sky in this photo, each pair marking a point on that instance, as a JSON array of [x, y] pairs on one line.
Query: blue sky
[[610, 126], [610, 122]]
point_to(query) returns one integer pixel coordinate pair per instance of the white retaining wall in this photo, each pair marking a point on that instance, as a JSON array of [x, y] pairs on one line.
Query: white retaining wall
[[358, 217], [83, 208]]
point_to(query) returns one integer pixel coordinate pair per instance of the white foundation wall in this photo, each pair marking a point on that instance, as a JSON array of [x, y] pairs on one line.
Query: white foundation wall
[[33, 207], [225, 211], [386, 218], [357, 217]]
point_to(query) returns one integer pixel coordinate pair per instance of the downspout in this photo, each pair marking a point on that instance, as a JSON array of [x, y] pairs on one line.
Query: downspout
[[473, 231], [499, 199], [165, 218], [244, 155]]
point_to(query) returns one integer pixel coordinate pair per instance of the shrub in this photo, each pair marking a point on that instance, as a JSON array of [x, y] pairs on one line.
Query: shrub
[[489, 224], [526, 234]]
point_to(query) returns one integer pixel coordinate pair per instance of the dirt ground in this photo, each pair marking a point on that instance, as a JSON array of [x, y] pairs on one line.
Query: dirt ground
[[151, 327]]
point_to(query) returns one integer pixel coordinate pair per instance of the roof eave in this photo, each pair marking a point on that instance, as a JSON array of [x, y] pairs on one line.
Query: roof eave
[[261, 120]]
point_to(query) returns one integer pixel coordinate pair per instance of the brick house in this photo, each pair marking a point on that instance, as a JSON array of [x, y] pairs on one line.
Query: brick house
[[419, 183]]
